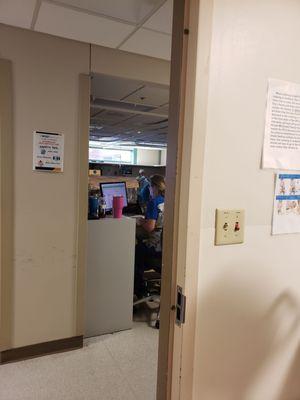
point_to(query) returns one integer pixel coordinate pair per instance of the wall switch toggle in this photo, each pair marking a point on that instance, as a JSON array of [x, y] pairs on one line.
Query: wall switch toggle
[[230, 226]]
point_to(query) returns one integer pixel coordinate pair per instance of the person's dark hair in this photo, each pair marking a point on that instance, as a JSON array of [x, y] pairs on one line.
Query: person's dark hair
[[159, 182]]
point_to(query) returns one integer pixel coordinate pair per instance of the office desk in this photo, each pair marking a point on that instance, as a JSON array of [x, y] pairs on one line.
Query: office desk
[[110, 275]]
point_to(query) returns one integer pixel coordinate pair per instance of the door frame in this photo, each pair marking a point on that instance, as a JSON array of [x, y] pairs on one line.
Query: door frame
[[176, 345], [169, 353], [181, 245], [82, 194], [187, 122], [6, 204]]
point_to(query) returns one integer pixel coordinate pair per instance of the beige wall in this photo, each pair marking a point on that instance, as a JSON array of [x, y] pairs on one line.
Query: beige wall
[[46, 97], [148, 157], [163, 157], [128, 65], [249, 295], [45, 79]]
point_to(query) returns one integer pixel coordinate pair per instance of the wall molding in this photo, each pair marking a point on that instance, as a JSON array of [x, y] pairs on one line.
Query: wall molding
[[41, 349]]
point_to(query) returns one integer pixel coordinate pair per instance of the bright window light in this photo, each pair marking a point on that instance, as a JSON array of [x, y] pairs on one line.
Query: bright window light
[[109, 155]]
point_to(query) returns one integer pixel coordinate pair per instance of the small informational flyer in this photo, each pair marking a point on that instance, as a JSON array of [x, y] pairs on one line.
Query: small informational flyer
[[286, 214], [282, 128], [48, 151]]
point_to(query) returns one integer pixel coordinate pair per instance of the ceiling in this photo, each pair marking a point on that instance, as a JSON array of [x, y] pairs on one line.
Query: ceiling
[[138, 26], [128, 112]]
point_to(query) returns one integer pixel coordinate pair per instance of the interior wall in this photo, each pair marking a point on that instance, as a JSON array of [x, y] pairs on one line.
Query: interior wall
[[45, 80], [148, 157], [163, 157], [46, 97], [248, 331], [128, 65]]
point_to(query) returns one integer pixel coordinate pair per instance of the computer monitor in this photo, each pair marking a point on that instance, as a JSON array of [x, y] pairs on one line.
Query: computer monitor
[[111, 189]]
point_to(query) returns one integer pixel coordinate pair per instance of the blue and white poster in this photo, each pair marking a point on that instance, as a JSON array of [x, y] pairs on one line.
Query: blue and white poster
[[286, 214]]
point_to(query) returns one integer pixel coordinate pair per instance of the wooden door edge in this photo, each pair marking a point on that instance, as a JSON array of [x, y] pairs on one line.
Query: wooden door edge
[[195, 121], [173, 181]]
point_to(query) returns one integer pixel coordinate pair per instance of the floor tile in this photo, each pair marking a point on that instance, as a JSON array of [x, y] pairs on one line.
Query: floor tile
[[121, 366]]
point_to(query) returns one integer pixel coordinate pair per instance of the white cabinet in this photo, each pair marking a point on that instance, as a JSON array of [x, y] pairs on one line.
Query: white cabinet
[[110, 275]]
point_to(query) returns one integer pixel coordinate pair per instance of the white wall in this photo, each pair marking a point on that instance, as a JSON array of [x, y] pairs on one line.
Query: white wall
[[163, 157], [248, 327], [148, 157]]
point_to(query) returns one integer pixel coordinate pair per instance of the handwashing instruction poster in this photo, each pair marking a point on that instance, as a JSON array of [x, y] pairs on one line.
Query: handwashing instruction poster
[[48, 151], [286, 215], [282, 127]]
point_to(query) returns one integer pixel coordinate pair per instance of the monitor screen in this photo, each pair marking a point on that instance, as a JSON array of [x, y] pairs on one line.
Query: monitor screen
[[109, 190]]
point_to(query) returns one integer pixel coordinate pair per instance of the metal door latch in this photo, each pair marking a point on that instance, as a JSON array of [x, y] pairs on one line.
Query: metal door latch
[[180, 306]]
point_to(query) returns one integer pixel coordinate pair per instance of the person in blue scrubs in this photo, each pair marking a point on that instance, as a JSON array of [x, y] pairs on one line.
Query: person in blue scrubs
[[143, 190], [152, 225]]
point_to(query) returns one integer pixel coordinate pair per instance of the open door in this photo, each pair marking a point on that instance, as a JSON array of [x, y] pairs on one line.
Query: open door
[[182, 222]]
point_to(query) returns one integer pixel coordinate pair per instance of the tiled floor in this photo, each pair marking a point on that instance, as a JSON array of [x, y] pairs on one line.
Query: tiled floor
[[121, 366]]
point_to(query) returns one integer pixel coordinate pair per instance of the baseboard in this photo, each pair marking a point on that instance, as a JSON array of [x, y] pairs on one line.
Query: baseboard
[[41, 349]]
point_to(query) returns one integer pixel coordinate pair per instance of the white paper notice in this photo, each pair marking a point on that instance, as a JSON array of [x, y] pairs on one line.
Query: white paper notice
[[48, 151], [286, 215], [282, 130]]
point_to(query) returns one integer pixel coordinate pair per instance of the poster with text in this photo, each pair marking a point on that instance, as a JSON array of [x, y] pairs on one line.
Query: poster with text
[[286, 214], [282, 129], [48, 151]]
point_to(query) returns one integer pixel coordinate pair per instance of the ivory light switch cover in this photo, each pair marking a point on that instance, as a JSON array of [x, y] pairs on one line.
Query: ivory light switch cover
[[230, 226]]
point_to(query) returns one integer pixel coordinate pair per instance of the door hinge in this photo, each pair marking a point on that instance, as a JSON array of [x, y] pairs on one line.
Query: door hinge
[[180, 306]]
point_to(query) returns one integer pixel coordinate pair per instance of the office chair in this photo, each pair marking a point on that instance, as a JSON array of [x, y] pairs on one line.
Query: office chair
[[152, 281]]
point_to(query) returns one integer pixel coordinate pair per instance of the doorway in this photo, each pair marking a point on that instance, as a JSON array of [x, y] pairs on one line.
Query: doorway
[[127, 146], [83, 211], [169, 361]]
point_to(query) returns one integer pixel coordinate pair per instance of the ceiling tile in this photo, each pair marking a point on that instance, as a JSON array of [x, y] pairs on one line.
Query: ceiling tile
[[162, 20], [121, 125], [150, 95], [149, 43], [106, 87], [17, 12], [133, 11], [61, 21]]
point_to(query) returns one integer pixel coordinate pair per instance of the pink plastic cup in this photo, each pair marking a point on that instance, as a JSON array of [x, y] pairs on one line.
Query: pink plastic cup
[[118, 204]]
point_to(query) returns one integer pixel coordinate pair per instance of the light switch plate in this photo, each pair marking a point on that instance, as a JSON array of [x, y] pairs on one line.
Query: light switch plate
[[230, 227]]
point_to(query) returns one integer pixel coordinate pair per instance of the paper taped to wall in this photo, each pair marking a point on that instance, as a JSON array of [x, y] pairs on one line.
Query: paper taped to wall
[[286, 214], [48, 151], [282, 128]]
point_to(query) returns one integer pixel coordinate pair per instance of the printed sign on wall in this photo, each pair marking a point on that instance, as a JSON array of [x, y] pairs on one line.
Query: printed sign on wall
[[48, 151], [282, 130], [286, 215]]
